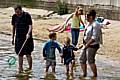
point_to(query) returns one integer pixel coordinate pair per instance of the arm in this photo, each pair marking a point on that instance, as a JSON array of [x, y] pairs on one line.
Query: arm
[[82, 23], [29, 31], [89, 42], [62, 55], [64, 24], [69, 18], [13, 34], [104, 24], [13, 29], [94, 35], [60, 51], [44, 50], [29, 22], [75, 48], [58, 47]]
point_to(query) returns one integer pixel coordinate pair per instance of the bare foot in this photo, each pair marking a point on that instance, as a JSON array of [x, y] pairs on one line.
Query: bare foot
[[94, 75], [20, 70], [84, 75]]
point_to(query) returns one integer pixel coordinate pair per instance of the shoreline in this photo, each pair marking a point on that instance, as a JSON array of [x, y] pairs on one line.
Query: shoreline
[[105, 58]]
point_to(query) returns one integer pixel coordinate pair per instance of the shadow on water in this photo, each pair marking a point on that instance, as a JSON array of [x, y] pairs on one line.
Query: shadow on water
[[99, 78], [50, 77], [24, 75], [87, 78], [69, 77]]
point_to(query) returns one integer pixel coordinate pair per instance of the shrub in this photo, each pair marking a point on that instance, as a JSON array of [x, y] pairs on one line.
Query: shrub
[[61, 8], [28, 2]]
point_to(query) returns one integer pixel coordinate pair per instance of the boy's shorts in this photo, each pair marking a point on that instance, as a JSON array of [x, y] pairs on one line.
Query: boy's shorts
[[50, 62]]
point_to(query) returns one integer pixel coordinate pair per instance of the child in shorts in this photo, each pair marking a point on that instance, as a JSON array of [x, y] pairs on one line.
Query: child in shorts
[[49, 52], [68, 54]]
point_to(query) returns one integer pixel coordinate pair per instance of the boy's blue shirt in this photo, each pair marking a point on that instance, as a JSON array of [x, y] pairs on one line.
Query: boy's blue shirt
[[49, 49]]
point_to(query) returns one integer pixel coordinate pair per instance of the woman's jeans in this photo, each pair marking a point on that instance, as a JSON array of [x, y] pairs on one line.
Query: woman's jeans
[[75, 36]]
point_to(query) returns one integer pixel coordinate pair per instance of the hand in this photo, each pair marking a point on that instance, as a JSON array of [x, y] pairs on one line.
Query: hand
[[84, 47], [45, 58], [80, 46], [61, 55], [61, 60], [108, 23], [27, 36], [83, 26], [12, 41]]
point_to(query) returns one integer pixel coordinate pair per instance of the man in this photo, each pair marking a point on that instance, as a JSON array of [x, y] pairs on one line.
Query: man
[[22, 27]]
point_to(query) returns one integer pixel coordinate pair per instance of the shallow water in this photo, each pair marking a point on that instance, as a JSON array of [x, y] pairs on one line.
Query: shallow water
[[106, 70]]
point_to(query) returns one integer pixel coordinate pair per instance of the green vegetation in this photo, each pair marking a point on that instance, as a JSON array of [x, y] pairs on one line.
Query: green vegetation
[[61, 8], [28, 3]]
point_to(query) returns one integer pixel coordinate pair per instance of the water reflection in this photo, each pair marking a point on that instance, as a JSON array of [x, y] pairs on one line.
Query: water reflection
[[106, 71], [70, 76], [22, 76], [87, 78], [49, 77], [25, 75]]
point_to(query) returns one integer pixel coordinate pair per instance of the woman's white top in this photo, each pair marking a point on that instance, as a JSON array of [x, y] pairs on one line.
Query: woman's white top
[[93, 31]]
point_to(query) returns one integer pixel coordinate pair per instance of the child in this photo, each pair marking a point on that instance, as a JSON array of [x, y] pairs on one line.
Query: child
[[68, 55], [75, 24], [49, 52]]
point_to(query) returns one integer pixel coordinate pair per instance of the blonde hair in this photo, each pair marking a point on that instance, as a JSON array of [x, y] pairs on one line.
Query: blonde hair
[[79, 9], [67, 40]]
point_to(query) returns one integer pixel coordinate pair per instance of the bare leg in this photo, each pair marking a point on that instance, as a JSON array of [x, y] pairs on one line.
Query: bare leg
[[84, 68], [94, 69], [20, 63], [53, 69], [47, 68], [72, 65], [29, 59], [67, 69]]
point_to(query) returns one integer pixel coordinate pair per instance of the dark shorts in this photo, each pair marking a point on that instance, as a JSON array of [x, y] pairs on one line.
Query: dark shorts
[[68, 61], [28, 47]]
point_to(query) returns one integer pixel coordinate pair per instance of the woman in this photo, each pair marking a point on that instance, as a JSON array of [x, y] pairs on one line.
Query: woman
[[75, 24], [90, 44]]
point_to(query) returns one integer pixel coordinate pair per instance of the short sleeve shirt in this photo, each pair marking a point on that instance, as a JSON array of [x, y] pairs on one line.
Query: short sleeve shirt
[[92, 31], [21, 24]]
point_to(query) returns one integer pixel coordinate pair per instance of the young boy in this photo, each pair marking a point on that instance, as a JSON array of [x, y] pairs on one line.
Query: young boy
[[68, 54], [49, 52]]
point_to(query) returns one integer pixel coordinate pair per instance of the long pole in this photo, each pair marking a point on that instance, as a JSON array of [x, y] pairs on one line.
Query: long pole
[[110, 2]]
